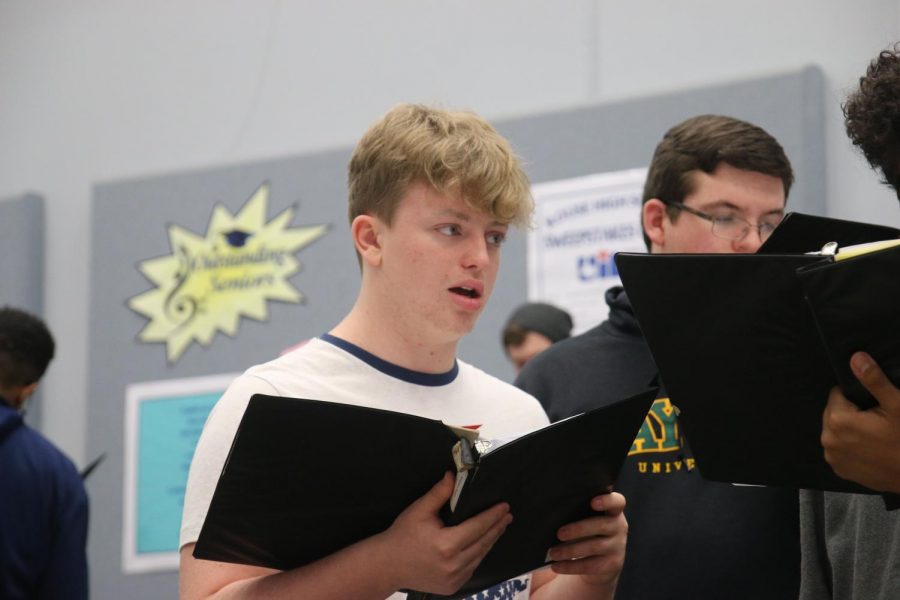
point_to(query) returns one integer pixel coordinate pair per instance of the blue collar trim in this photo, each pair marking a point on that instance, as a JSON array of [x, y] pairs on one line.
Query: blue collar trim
[[396, 371]]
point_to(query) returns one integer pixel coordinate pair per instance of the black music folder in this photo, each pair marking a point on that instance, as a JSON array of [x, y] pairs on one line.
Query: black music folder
[[748, 347], [305, 478], [799, 233]]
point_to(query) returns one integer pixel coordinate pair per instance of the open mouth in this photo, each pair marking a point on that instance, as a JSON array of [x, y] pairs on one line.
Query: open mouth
[[465, 291]]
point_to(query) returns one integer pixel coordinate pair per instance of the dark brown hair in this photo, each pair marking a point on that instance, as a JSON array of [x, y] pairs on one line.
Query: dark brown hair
[[700, 144]]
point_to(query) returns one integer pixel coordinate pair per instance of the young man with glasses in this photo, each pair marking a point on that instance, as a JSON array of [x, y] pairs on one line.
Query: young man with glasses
[[731, 179], [851, 542], [715, 184]]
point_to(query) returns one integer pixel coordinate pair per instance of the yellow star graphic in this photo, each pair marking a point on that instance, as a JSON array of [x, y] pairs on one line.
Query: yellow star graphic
[[208, 283]]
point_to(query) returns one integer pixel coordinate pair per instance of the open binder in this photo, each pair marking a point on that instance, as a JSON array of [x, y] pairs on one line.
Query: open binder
[[748, 347], [305, 478], [799, 233]]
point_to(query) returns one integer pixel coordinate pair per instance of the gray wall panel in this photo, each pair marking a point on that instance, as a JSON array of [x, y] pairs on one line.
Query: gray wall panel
[[22, 252], [22, 266]]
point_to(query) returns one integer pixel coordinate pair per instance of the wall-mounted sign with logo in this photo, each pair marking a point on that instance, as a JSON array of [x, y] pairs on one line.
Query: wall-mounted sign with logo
[[210, 281], [580, 224]]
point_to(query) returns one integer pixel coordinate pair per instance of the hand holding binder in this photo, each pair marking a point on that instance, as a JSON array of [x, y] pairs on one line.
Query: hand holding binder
[[434, 557], [748, 347], [864, 446], [306, 478]]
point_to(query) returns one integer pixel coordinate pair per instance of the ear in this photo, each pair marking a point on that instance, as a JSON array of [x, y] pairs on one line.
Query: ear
[[366, 232], [22, 394], [653, 218], [29, 389]]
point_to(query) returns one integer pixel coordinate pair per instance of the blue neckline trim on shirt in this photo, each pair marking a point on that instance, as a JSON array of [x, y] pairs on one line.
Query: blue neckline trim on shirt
[[388, 368]]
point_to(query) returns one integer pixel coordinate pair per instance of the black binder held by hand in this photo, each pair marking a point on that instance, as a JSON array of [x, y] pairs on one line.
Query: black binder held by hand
[[749, 346], [305, 478], [855, 303]]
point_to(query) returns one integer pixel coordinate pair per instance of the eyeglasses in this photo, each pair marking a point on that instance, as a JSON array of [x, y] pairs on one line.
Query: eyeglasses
[[731, 227]]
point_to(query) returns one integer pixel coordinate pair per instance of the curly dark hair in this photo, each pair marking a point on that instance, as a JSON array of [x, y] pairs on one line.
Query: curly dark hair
[[872, 116]]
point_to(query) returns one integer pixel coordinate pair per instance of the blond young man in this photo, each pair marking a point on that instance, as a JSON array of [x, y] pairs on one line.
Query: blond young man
[[432, 194]]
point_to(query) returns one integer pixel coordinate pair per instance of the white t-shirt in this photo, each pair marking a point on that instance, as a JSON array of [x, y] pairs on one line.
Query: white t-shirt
[[331, 369]]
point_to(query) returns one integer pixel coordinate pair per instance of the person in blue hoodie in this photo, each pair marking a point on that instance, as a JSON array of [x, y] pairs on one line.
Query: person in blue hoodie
[[43, 503]]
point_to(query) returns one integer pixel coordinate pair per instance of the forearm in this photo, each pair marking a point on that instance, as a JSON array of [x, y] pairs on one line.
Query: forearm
[[416, 552], [358, 571], [547, 585]]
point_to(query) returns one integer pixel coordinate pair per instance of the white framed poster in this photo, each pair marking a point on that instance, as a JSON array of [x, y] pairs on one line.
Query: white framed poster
[[580, 223], [163, 421]]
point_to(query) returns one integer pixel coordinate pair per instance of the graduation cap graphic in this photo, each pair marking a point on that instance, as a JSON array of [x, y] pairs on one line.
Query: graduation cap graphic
[[236, 238]]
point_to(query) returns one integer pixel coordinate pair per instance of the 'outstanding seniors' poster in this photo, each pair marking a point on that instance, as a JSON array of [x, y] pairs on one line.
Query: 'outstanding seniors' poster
[[580, 224]]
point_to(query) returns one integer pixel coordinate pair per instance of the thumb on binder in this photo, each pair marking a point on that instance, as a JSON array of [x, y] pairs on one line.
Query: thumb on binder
[[428, 555]]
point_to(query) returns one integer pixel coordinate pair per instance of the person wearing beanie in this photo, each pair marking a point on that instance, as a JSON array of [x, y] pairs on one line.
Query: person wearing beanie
[[532, 328]]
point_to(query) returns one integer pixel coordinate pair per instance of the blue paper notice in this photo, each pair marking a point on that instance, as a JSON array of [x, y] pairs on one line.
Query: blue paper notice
[[167, 434], [163, 422]]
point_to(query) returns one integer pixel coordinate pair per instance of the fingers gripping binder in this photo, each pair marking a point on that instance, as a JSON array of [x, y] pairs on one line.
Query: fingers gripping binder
[[305, 478], [750, 345]]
